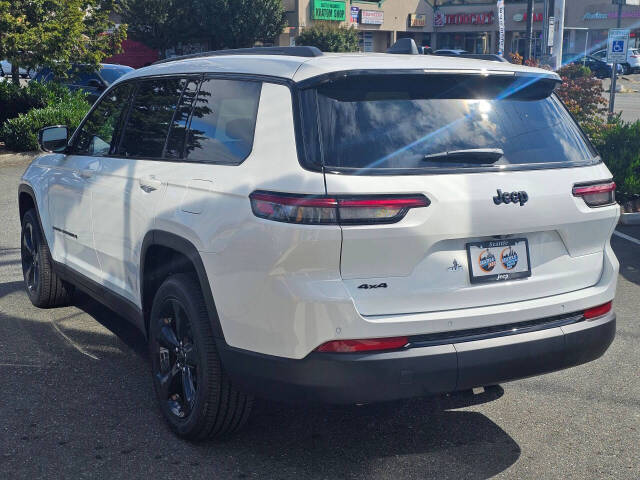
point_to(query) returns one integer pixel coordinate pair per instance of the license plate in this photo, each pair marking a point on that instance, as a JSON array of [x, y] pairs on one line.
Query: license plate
[[498, 260]]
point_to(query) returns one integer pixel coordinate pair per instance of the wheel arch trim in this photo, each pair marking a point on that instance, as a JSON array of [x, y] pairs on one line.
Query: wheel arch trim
[[185, 247]]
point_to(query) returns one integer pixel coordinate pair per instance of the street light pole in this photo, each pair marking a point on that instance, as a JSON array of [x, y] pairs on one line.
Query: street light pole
[[558, 38], [527, 54]]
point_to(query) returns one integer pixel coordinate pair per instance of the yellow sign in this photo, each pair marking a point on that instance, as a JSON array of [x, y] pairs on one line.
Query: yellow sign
[[417, 20]]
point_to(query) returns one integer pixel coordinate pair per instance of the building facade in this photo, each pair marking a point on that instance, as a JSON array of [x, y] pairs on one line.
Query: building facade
[[470, 25]]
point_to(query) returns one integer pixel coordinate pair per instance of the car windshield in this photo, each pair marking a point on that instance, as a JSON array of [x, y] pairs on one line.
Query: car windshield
[[110, 73], [391, 124]]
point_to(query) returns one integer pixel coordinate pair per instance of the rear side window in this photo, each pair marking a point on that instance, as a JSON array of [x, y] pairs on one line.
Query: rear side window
[[150, 117], [384, 125], [99, 131], [223, 121]]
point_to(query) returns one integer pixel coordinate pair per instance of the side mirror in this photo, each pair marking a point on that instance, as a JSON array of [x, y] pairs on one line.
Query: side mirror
[[53, 139], [97, 84]]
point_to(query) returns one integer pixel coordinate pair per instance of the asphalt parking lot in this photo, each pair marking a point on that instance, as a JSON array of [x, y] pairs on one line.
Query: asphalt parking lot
[[76, 401]]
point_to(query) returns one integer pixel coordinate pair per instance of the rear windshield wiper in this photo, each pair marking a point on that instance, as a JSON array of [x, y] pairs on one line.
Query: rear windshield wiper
[[473, 155]]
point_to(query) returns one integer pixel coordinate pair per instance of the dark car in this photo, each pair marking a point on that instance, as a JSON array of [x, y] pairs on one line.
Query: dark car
[[79, 78], [599, 68]]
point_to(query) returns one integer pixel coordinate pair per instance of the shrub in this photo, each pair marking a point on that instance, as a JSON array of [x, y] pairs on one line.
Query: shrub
[[21, 133], [619, 146], [330, 38], [15, 100], [581, 92], [516, 58]]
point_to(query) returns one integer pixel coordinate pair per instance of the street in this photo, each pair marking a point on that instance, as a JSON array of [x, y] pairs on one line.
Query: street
[[77, 402]]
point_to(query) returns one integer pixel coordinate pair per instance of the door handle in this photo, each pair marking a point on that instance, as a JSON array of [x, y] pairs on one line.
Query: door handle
[[150, 184], [86, 173]]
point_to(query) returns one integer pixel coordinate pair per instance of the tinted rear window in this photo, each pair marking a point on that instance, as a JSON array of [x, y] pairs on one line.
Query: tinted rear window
[[387, 124], [223, 121]]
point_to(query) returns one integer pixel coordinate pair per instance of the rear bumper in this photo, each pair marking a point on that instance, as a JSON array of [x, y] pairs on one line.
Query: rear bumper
[[419, 371]]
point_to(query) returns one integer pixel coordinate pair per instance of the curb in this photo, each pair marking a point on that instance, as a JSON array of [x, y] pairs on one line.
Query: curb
[[629, 219]]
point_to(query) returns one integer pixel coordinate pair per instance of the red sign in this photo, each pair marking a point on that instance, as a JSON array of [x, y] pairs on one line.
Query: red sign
[[469, 18]]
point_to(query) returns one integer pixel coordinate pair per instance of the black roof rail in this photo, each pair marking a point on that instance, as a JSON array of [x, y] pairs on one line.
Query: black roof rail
[[298, 51]]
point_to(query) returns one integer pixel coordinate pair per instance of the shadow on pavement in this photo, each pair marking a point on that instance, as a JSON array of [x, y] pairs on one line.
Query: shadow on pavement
[[100, 418], [118, 325]]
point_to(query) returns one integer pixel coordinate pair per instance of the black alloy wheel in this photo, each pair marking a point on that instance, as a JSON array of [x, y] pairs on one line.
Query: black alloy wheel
[[44, 287], [196, 397], [176, 363], [30, 258]]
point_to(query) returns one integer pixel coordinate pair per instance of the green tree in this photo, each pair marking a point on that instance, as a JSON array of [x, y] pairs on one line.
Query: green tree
[[242, 23], [161, 24], [57, 33], [330, 38]]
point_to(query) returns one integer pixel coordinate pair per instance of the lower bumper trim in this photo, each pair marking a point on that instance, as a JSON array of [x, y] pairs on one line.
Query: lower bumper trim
[[420, 371]]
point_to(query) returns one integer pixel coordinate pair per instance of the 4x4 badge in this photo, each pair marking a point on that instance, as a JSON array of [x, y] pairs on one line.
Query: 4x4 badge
[[367, 286], [514, 197]]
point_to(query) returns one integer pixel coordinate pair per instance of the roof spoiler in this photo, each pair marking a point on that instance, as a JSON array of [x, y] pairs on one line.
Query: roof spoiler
[[406, 46], [298, 51]]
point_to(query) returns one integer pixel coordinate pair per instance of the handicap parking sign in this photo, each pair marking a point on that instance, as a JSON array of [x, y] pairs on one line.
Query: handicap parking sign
[[617, 45]]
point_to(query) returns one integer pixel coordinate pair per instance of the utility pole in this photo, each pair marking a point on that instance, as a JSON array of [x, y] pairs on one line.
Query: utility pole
[[614, 67], [528, 51], [558, 13]]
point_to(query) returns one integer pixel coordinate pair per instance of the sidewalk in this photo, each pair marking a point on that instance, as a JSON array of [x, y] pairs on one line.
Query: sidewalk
[[11, 158]]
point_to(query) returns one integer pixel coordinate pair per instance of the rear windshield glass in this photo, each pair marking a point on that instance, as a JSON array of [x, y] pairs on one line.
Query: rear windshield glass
[[386, 124]]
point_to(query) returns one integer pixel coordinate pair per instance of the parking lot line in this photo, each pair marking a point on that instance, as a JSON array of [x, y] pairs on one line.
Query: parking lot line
[[626, 237]]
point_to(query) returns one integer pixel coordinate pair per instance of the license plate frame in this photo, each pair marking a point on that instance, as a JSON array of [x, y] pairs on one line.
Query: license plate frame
[[500, 271]]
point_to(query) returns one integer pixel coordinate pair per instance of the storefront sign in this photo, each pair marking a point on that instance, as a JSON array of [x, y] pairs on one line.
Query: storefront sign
[[606, 16], [371, 17], [501, 27], [522, 17], [417, 20], [355, 13], [329, 10], [441, 19]]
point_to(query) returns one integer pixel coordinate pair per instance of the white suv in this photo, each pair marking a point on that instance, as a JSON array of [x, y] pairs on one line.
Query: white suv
[[341, 228]]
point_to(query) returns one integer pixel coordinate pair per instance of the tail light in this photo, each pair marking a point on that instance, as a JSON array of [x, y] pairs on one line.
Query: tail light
[[635, 56], [597, 311], [333, 210], [596, 195], [368, 345]]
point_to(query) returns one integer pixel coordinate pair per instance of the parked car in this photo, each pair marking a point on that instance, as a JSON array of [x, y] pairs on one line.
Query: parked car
[[599, 68], [449, 52], [6, 69], [632, 65], [331, 228], [78, 78]]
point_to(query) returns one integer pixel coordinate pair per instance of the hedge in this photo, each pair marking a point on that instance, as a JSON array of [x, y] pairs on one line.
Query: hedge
[[21, 133], [619, 146], [15, 100]]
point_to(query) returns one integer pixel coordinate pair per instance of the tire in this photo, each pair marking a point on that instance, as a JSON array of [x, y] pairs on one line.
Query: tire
[[626, 68], [44, 288], [194, 393]]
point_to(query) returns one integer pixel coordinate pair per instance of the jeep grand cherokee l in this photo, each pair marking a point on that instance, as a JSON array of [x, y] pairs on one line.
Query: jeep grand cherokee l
[[341, 228]]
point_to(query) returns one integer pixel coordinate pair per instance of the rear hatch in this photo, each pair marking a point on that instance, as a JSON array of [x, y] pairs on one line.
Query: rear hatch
[[497, 157]]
